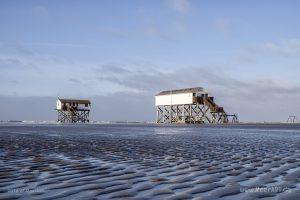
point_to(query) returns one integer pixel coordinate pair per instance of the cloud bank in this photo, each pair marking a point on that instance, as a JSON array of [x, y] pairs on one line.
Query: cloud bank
[[261, 99]]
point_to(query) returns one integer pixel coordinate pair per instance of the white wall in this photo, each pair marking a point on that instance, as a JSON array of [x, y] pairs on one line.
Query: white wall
[[58, 105], [174, 99]]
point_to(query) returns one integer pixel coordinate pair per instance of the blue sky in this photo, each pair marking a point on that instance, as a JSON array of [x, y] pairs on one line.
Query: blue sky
[[93, 49]]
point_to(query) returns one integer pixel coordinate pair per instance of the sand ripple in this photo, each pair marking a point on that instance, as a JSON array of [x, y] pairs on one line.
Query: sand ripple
[[141, 162]]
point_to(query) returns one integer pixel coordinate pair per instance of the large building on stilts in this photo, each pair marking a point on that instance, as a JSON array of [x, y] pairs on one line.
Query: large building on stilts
[[73, 110], [190, 105]]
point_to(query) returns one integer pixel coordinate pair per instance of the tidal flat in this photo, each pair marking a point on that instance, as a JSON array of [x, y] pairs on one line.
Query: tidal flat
[[140, 161]]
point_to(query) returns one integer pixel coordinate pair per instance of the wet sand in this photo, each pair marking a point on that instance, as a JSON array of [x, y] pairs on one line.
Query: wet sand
[[149, 162]]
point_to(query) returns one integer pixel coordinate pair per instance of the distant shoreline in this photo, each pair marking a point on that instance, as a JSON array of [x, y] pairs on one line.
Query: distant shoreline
[[249, 125], [145, 122]]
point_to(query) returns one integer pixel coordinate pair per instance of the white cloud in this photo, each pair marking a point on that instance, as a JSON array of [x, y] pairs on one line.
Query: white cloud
[[181, 6], [285, 48], [153, 80], [56, 45]]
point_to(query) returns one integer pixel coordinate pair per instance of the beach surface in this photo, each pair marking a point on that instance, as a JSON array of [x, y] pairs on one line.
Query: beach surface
[[149, 162]]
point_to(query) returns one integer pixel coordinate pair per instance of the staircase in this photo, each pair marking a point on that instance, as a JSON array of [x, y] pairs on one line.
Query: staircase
[[72, 114], [209, 102]]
